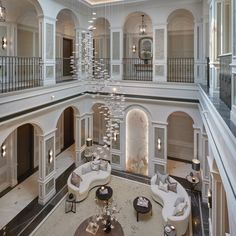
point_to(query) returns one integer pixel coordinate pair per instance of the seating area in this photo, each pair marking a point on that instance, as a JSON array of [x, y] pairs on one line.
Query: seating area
[[175, 202], [88, 176]]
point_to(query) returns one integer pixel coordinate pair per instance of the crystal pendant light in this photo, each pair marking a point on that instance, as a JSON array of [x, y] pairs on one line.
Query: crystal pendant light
[[2, 13], [142, 27]]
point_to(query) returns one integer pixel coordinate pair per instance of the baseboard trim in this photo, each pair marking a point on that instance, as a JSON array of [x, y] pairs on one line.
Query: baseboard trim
[[178, 159]]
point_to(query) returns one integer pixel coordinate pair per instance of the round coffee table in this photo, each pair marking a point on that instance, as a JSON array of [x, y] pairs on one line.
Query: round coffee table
[[142, 209], [81, 230], [104, 193]]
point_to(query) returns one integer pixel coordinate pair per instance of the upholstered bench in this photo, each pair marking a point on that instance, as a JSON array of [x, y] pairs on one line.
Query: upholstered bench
[[168, 200], [89, 179]]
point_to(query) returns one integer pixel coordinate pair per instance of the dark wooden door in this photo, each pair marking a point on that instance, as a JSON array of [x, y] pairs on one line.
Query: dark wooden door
[[25, 151], [68, 127], [67, 53]]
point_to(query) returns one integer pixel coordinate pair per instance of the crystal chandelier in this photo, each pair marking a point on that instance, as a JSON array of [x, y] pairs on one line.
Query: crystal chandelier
[[142, 27], [2, 13], [99, 79]]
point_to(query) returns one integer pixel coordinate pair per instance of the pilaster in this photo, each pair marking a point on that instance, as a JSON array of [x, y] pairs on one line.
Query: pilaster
[[116, 53], [47, 168], [47, 46]]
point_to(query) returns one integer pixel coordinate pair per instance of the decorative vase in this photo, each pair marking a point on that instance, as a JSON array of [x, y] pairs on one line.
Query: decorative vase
[[107, 226]]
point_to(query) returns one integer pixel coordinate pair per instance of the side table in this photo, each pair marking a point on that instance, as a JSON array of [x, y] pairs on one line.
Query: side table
[[193, 180], [70, 204], [169, 230]]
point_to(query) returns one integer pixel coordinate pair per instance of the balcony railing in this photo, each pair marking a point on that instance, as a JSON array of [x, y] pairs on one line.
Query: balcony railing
[[180, 70], [137, 69], [17, 73], [225, 79]]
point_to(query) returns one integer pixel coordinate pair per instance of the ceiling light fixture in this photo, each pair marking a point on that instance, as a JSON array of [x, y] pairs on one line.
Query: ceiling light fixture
[[142, 27]]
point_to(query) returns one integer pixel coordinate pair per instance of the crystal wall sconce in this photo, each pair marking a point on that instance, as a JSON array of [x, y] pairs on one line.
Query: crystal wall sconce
[[209, 196], [159, 144], [3, 150], [134, 48], [50, 156], [4, 43]]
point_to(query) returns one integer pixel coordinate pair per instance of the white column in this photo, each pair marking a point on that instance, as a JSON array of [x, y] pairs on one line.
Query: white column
[[205, 168], [116, 53], [47, 169], [214, 64], [199, 59], [117, 148], [47, 46], [233, 64], [160, 53], [158, 148], [84, 130]]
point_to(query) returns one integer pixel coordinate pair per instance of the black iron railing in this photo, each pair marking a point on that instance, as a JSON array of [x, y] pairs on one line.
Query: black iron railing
[[137, 69], [225, 79], [180, 70], [18, 73]]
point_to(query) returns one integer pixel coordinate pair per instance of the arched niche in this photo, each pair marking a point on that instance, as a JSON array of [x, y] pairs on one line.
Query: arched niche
[[20, 154], [137, 139], [180, 34], [65, 129], [101, 37], [180, 135], [65, 42], [132, 34]]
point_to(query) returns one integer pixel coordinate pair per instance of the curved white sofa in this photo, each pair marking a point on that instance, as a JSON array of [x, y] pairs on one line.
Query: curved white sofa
[[167, 200], [89, 181]]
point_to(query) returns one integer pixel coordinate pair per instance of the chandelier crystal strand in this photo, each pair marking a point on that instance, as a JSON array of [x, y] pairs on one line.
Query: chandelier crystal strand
[[98, 77], [2, 12]]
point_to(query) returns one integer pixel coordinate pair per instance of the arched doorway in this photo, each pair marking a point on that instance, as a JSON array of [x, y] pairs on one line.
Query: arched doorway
[[137, 136], [180, 144], [180, 48], [101, 42], [65, 43], [138, 48], [65, 136], [21, 156]]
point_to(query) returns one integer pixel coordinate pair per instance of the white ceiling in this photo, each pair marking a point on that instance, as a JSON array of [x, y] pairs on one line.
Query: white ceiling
[[103, 2]]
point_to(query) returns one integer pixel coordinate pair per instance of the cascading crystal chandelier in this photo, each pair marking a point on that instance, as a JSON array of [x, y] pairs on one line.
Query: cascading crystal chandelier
[[100, 81], [2, 12]]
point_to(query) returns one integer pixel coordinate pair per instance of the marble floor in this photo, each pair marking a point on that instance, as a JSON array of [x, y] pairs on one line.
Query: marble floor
[[19, 197], [178, 168]]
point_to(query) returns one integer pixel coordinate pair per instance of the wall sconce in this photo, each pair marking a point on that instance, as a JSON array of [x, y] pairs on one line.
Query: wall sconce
[[159, 144], [209, 196], [3, 150], [50, 156], [115, 135], [134, 48], [4, 43]]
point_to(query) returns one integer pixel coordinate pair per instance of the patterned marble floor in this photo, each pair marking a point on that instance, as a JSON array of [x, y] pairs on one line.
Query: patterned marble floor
[[178, 168], [19, 197]]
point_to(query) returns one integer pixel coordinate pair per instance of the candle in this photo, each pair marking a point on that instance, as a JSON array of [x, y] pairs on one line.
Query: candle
[[193, 179], [102, 188]]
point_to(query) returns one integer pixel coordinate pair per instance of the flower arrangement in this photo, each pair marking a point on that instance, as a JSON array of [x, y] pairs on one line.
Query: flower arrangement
[[107, 215]]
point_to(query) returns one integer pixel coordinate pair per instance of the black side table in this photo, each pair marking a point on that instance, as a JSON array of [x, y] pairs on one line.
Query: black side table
[[70, 204], [169, 230], [104, 193], [142, 209]]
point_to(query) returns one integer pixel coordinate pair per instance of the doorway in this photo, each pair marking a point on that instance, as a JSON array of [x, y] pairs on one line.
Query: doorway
[[67, 53], [68, 127], [25, 152]]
